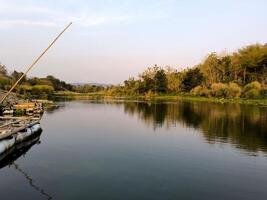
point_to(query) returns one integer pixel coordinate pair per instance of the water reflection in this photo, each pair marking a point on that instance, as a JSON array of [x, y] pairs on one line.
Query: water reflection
[[9, 158], [242, 125], [31, 181], [11, 155], [53, 108]]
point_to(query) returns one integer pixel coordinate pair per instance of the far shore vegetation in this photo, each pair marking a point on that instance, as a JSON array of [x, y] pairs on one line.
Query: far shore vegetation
[[237, 77]]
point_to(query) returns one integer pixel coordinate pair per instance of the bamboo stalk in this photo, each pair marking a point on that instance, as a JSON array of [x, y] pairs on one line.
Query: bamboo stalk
[[10, 117], [35, 61], [10, 123]]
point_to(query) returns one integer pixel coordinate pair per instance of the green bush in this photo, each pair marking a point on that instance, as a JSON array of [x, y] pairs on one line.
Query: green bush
[[263, 92], [196, 90], [253, 85], [42, 90], [219, 90], [252, 94], [4, 82], [252, 90], [24, 89], [233, 90], [149, 94], [200, 91]]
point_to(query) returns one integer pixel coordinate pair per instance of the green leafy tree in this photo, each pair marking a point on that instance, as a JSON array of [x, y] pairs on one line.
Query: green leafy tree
[[192, 78], [16, 75], [210, 68], [160, 81], [253, 60]]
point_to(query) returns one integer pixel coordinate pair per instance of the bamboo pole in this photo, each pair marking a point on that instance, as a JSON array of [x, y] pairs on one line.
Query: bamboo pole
[[35, 61], [10, 123]]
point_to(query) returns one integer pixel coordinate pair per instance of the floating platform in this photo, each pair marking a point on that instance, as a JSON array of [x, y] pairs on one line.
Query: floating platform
[[12, 154], [14, 130]]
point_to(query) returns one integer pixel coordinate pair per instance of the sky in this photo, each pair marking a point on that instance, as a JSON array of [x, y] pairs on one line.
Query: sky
[[111, 40]]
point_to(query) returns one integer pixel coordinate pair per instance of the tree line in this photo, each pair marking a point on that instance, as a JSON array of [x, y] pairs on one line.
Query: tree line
[[41, 87], [240, 74]]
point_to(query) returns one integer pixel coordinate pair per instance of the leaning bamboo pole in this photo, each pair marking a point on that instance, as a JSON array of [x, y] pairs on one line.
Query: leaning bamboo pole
[[35, 61]]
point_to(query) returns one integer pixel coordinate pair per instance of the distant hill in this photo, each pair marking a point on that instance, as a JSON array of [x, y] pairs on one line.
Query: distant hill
[[96, 84]]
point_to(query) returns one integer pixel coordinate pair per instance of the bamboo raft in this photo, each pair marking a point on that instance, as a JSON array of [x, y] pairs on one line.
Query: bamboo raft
[[16, 124], [17, 130], [14, 130]]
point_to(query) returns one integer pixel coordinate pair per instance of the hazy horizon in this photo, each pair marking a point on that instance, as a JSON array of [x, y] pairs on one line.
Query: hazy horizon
[[110, 41]]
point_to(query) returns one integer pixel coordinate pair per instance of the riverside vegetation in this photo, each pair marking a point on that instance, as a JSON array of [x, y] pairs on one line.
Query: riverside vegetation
[[240, 76]]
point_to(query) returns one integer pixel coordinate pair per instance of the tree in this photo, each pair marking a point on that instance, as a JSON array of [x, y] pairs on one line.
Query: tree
[[145, 85], [59, 85], [173, 79], [146, 80], [236, 68], [160, 81], [224, 69], [210, 68], [3, 70], [192, 78], [131, 86], [16, 76], [253, 60], [55, 82]]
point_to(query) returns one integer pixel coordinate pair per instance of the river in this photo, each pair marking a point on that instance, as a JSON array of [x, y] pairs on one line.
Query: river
[[142, 150]]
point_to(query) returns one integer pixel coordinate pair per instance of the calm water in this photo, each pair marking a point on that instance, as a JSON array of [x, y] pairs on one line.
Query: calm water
[[137, 150]]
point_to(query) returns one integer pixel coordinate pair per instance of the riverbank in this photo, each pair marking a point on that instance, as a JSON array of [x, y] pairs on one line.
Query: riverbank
[[85, 96], [17, 103], [161, 97]]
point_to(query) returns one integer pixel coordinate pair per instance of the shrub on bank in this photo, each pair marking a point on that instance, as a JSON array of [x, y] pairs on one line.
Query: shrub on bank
[[24, 89], [196, 90], [253, 85], [4, 82], [233, 90], [263, 93], [149, 94], [252, 94], [42, 89], [252, 90], [200, 91], [219, 90]]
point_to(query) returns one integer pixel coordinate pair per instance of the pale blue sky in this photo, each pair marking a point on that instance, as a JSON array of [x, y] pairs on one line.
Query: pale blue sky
[[112, 40]]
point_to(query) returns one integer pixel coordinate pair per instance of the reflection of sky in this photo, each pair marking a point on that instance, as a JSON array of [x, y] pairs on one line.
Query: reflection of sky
[[124, 36]]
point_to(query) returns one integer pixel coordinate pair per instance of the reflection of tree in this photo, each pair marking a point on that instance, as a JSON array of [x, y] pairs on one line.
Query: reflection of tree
[[50, 109], [150, 113], [241, 125]]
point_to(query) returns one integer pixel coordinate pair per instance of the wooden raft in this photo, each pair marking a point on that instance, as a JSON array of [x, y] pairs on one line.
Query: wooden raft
[[16, 124]]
